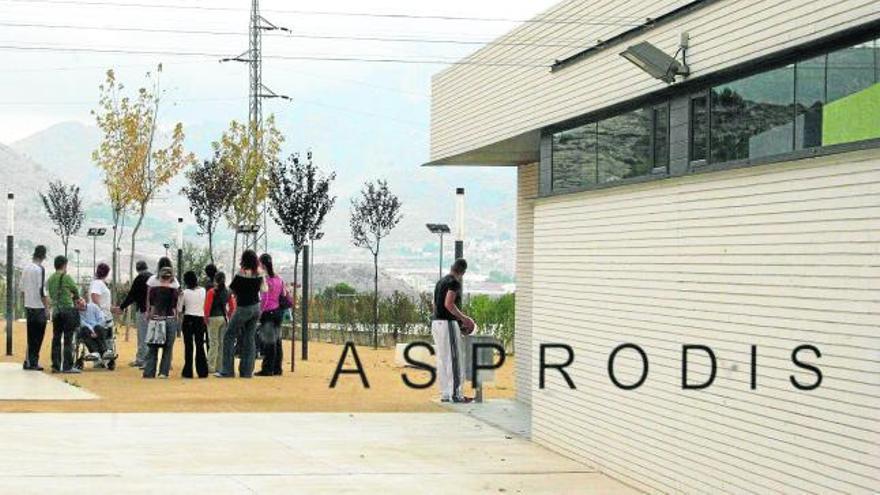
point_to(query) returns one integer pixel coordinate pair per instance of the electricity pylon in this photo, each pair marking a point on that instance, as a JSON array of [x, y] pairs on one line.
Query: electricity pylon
[[258, 91]]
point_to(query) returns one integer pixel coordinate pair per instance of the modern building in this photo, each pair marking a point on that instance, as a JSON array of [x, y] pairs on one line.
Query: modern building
[[736, 206]]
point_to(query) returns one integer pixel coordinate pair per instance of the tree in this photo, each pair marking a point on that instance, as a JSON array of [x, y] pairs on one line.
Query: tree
[[300, 199], [246, 152], [64, 207], [210, 192], [373, 216], [117, 120], [152, 168]]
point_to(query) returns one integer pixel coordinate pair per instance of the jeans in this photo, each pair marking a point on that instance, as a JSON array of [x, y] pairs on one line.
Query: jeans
[[36, 330], [98, 342], [167, 350], [194, 342], [273, 353], [216, 331], [142, 322], [64, 323], [244, 321]]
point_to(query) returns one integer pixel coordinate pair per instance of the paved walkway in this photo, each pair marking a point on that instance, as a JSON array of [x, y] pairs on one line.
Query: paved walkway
[[17, 384], [310, 453]]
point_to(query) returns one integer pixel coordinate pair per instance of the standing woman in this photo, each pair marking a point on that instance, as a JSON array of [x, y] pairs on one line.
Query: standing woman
[[219, 306], [247, 285], [270, 319], [161, 310], [99, 293], [192, 306]]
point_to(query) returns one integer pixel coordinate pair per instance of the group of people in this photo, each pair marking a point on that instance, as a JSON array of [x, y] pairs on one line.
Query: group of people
[[58, 297], [214, 319]]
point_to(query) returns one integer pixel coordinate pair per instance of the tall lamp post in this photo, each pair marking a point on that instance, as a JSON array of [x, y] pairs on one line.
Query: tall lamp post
[[318, 237], [442, 229], [77, 266], [167, 246], [10, 274], [179, 248], [459, 223], [94, 233]]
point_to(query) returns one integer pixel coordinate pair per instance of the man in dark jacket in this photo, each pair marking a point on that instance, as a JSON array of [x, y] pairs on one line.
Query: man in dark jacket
[[138, 296]]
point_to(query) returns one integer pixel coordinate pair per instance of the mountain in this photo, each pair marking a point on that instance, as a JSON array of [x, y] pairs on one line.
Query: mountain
[[410, 253], [65, 150]]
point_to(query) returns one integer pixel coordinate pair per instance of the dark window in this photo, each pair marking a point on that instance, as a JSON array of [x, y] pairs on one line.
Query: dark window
[[752, 117], [625, 146], [661, 137], [574, 158], [699, 128], [809, 99]]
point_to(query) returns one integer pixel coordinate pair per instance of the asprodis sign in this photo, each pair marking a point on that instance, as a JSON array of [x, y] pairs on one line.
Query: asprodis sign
[[804, 357]]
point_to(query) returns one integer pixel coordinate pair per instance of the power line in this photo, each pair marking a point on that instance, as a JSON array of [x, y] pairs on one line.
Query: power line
[[604, 20], [326, 58], [383, 39]]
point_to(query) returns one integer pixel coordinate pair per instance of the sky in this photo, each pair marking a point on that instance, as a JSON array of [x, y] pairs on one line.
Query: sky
[[40, 88], [363, 120]]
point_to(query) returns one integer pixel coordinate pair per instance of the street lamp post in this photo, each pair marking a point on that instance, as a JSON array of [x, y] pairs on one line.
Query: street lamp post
[[318, 237], [167, 245], [94, 233], [459, 223], [179, 248], [10, 273], [78, 281], [442, 229]]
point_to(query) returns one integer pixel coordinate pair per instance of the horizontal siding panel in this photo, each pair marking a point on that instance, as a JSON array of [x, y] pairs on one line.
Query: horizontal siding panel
[[476, 106], [682, 261]]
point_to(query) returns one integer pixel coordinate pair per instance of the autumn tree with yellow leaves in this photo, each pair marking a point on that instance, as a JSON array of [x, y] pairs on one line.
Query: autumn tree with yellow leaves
[[135, 167], [247, 153]]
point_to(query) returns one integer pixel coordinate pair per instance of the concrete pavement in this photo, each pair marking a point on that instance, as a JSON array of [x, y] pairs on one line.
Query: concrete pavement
[[17, 384], [335, 453]]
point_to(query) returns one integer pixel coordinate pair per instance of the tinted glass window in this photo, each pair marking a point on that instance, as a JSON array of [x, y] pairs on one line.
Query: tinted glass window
[[850, 70], [661, 136], [574, 158], [852, 106], [625, 146], [809, 99], [753, 117], [699, 128]]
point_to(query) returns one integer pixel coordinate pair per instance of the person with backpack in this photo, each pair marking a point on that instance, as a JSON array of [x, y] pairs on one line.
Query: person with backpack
[[273, 303], [219, 306], [65, 318]]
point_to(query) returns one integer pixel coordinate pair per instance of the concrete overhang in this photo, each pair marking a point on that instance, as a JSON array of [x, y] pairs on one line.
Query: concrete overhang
[[518, 150]]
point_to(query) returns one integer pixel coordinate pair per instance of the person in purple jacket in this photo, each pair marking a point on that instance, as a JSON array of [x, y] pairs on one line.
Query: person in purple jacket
[[270, 319]]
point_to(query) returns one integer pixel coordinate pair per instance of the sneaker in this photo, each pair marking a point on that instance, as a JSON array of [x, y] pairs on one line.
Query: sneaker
[[109, 354], [263, 373], [445, 399], [36, 368], [163, 377], [72, 371], [135, 364], [55, 370], [222, 375], [92, 356], [462, 400]]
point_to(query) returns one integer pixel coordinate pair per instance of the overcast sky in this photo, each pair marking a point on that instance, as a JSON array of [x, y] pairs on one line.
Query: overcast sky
[[39, 88]]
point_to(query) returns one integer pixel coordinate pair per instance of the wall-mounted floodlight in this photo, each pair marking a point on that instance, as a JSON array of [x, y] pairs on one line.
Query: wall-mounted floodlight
[[657, 63]]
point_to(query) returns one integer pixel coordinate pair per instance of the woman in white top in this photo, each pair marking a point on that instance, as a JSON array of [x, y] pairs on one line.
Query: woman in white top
[[153, 281], [99, 293], [192, 306]]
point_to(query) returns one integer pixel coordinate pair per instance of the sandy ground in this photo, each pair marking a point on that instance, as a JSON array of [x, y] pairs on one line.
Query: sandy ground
[[307, 389]]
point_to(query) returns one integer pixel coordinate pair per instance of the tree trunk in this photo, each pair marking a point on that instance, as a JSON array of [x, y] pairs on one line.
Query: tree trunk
[[211, 245], [65, 242], [137, 226], [376, 301]]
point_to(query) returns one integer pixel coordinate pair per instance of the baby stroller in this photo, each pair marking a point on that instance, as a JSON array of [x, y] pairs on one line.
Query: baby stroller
[[107, 360]]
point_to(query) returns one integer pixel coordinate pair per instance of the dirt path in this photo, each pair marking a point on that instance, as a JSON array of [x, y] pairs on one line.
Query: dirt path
[[307, 389]]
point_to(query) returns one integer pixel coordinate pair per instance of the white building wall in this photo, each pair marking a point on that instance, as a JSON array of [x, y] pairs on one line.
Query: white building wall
[[777, 255], [474, 106], [527, 191]]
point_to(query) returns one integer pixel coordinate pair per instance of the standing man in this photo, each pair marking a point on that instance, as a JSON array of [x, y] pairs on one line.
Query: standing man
[[65, 319], [447, 325], [36, 303], [137, 295]]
